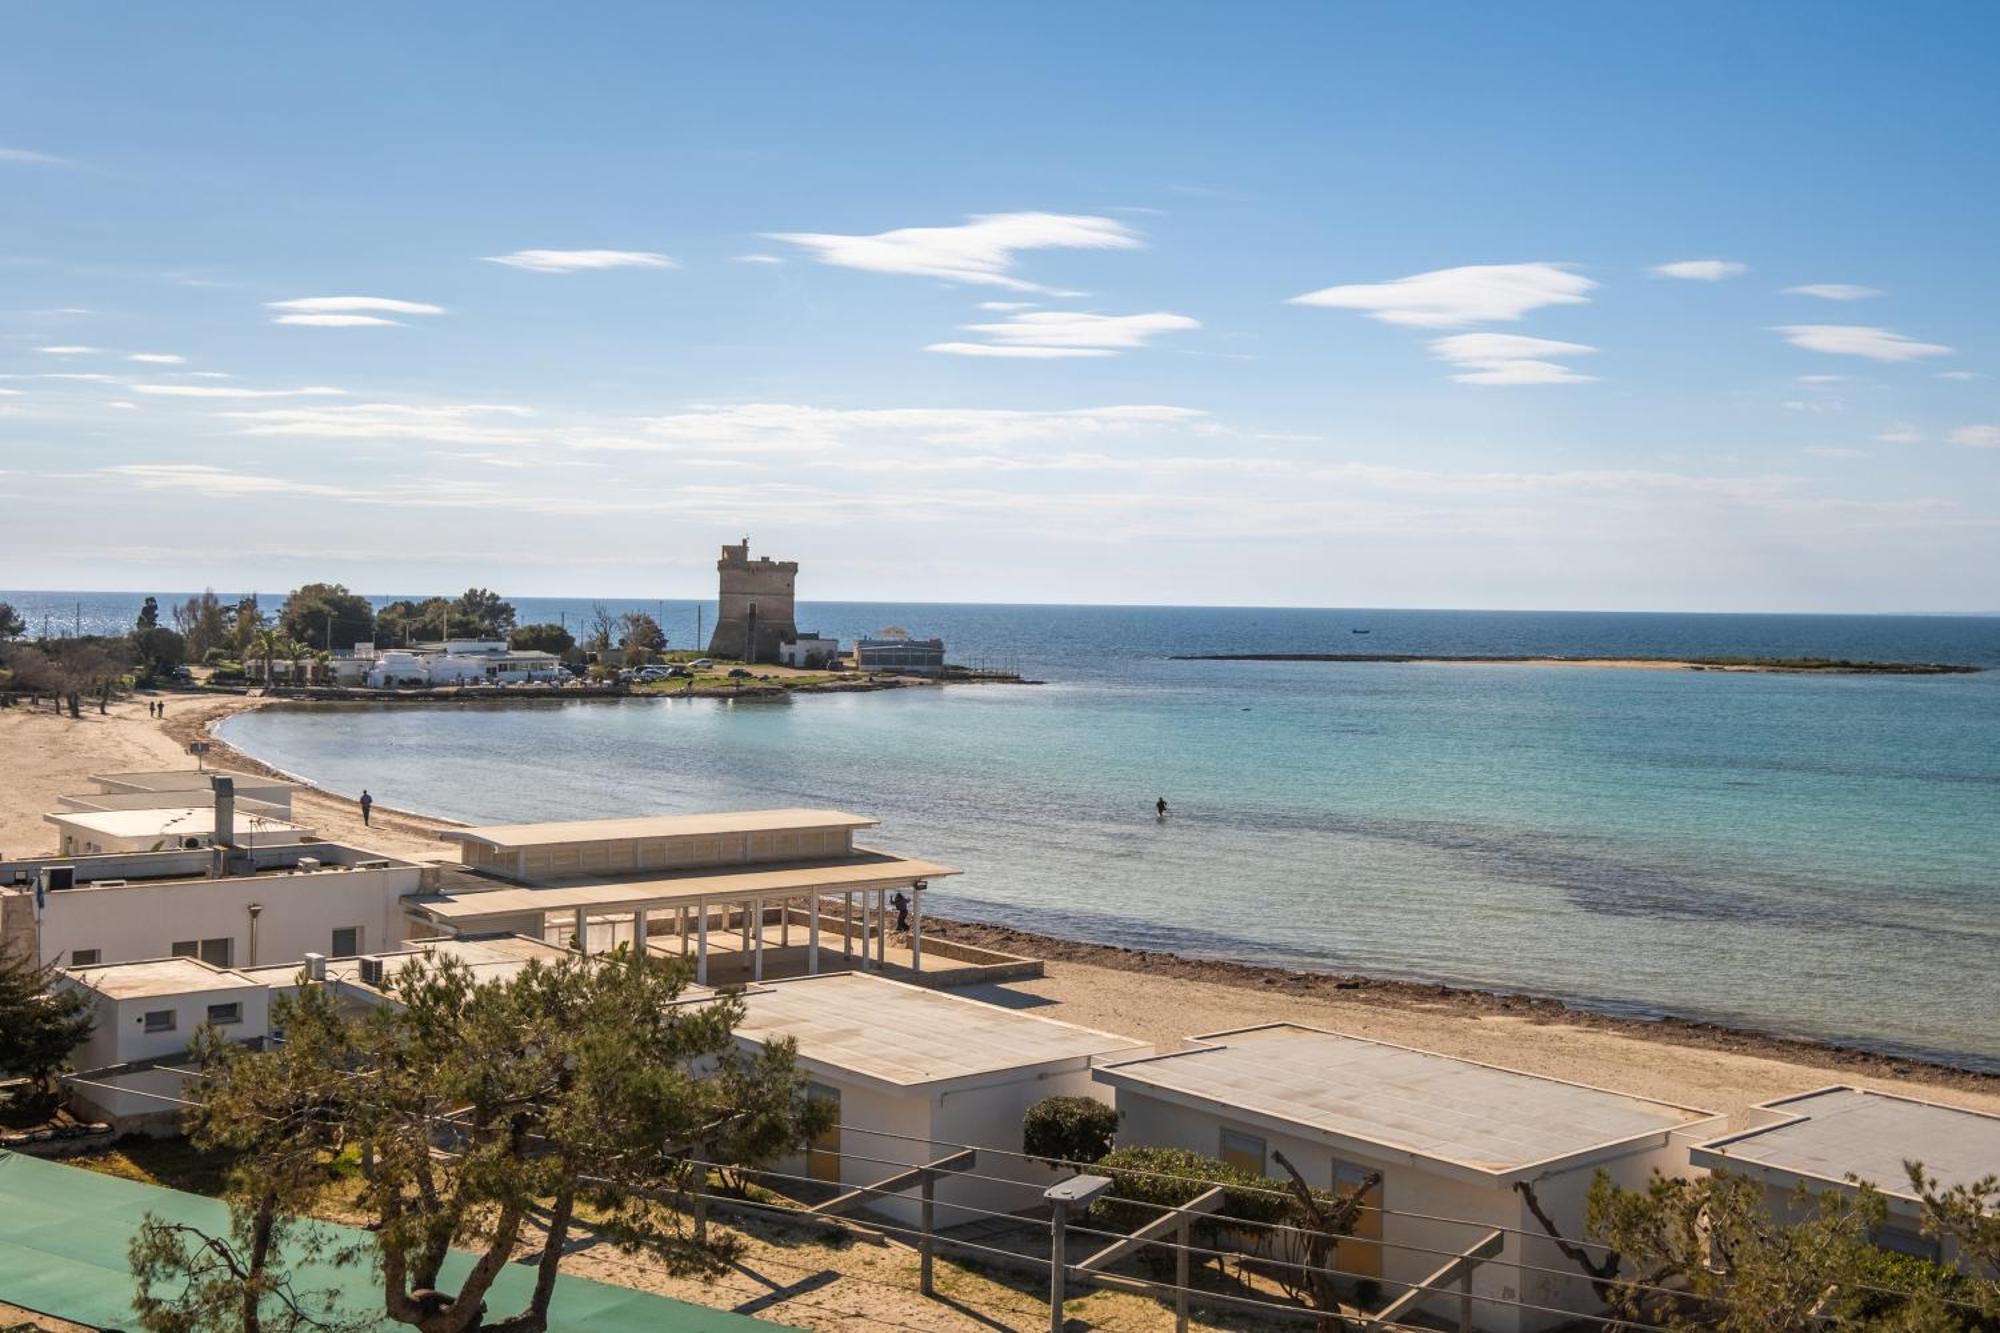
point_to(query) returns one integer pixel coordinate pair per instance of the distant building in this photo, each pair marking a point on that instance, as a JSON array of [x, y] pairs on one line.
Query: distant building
[[164, 828], [756, 615], [462, 662], [906, 656], [807, 649]]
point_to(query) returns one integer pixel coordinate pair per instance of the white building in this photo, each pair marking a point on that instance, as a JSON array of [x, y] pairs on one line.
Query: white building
[[1451, 1138], [273, 904], [809, 650], [927, 1071], [147, 1012], [370, 979], [178, 787], [163, 828], [1831, 1138], [462, 662]]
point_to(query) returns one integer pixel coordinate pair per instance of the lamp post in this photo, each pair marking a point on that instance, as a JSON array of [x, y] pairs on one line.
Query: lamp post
[[1076, 1192]]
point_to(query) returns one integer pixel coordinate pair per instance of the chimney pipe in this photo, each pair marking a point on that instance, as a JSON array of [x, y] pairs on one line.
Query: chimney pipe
[[225, 822]]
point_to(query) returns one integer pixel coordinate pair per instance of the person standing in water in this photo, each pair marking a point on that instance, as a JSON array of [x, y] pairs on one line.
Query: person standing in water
[[367, 804], [1160, 807]]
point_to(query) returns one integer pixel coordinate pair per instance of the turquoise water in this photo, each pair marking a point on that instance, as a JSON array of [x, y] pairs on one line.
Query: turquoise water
[[1815, 856]]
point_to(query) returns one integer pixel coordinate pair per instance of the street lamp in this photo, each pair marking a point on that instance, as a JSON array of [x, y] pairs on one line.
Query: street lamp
[[1077, 1192]]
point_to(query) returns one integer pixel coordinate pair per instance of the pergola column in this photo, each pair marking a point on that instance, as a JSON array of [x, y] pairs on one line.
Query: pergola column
[[881, 929], [639, 931], [846, 927], [701, 945], [812, 935], [681, 924], [916, 929], [583, 930], [757, 962]]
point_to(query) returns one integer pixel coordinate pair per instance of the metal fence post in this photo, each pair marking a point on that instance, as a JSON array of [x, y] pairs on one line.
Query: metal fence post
[[925, 1248], [1182, 1237], [1465, 1300], [1058, 1268]]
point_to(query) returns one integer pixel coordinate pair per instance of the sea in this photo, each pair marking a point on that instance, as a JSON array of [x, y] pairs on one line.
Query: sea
[[1815, 856]]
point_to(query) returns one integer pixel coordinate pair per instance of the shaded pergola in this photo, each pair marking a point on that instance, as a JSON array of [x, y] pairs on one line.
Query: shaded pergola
[[663, 911]]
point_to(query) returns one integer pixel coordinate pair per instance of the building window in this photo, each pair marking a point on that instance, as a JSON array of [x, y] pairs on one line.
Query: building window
[[1243, 1151], [161, 1020], [346, 942], [224, 1014], [215, 952], [85, 957]]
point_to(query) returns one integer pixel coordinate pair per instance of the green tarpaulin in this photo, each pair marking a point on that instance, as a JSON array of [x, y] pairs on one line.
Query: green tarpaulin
[[64, 1232]]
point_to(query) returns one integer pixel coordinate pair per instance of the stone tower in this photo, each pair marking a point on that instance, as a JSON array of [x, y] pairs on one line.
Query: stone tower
[[756, 612]]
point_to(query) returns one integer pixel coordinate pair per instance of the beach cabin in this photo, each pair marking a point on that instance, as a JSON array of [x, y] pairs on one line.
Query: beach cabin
[[1454, 1141], [914, 1073], [1833, 1137], [775, 880], [147, 1012], [162, 828]]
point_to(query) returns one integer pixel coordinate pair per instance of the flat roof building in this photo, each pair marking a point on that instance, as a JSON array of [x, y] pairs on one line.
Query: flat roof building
[[1831, 1138], [253, 785], [925, 1071], [1450, 1138], [147, 1012], [163, 828]]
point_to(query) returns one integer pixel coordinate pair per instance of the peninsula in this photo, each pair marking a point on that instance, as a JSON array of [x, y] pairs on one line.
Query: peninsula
[[1818, 665]]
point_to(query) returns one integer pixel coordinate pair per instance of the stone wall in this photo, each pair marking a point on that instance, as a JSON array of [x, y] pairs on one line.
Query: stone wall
[[756, 612]]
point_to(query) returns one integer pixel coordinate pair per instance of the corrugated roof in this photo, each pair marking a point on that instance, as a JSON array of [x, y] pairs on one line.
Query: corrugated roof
[[909, 1035], [559, 832], [1436, 1106], [864, 870], [1837, 1132]]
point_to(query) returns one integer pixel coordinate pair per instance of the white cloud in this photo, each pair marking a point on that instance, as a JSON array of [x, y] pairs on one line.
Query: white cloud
[[1833, 451], [981, 251], [157, 358], [210, 374], [227, 391], [580, 261], [1960, 375], [345, 305], [1454, 297], [1834, 291], [26, 158], [10, 393], [1701, 270], [1977, 437], [1859, 340], [122, 405], [758, 259], [215, 481], [70, 349], [1901, 433], [1003, 306], [339, 321], [1510, 358], [797, 428], [1822, 379], [1066, 333], [454, 423]]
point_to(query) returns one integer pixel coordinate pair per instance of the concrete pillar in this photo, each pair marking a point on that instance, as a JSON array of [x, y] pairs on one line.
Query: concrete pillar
[[812, 935], [881, 929], [784, 923], [681, 923], [701, 947], [639, 931], [583, 930], [757, 962], [847, 927], [916, 929]]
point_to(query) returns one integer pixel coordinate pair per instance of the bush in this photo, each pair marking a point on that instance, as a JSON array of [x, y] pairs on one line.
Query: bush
[[1068, 1129], [215, 657], [1169, 1177]]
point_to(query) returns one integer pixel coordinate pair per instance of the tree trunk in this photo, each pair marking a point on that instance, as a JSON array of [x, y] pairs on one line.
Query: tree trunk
[[75, 705]]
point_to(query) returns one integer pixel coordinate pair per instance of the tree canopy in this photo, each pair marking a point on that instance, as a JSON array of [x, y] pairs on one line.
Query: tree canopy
[[11, 624], [41, 1021], [313, 609], [542, 639]]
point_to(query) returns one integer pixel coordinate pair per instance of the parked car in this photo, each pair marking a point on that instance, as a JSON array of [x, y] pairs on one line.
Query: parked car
[[738, 673], [701, 663]]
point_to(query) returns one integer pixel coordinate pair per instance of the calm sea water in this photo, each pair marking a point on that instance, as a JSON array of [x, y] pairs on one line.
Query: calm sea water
[[1817, 856]]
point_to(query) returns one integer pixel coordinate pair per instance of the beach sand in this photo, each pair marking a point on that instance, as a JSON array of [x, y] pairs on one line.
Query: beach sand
[[1158, 998]]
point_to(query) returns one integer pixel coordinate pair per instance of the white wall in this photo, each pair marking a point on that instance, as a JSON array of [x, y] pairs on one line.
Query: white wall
[[120, 1037], [300, 913]]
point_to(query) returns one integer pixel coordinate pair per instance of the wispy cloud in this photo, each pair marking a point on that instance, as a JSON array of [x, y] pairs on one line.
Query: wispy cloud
[[981, 251], [1834, 291], [157, 358], [70, 349], [1510, 358], [1065, 333], [232, 391], [1901, 433], [1701, 270], [27, 158], [1832, 451], [1859, 340], [758, 259], [1001, 307], [800, 428], [1977, 437], [215, 481], [1822, 379], [451, 423], [348, 312], [1960, 375], [581, 261], [1454, 297]]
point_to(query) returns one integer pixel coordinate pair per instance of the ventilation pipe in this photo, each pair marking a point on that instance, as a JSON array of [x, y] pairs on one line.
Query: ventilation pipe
[[225, 822]]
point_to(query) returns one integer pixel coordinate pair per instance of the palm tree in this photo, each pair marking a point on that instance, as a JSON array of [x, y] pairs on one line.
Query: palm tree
[[323, 666], [268, 645], [297, 652]]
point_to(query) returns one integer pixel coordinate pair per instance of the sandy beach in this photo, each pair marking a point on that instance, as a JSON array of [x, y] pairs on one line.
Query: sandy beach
[[1159, 998]]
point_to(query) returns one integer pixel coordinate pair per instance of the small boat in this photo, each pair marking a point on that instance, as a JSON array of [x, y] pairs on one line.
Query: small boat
[[1361, 631]]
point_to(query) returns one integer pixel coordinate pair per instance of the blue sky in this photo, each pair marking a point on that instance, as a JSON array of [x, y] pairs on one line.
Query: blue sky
[[1003, 303]]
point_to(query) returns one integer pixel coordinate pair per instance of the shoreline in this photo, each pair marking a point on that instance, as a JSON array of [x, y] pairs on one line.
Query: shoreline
[[1772, 666]]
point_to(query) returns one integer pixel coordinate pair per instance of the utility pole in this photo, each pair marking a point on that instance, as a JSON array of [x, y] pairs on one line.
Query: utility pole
[[698, 608]]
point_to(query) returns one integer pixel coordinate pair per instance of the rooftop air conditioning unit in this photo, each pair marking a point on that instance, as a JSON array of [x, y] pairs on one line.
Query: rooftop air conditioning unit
[[371, 972], [109, 883], [371, 865], [308, 863]]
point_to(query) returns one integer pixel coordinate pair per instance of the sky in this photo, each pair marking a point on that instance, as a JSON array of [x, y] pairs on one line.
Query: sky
[[1646, 306]]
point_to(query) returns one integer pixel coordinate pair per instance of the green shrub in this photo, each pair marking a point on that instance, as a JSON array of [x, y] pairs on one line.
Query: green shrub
[[1169, 1177], [1068, 1129]]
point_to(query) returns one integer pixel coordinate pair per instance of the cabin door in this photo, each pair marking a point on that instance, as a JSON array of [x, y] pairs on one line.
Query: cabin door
[[823, 1153], [1361, 1253]]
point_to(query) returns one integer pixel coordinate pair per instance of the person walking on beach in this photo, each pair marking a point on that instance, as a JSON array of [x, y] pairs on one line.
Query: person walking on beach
[[902, 906], [1160, 807], [367, 804]]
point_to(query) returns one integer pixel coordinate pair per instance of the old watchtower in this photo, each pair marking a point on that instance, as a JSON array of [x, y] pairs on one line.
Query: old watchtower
[[756, 612]]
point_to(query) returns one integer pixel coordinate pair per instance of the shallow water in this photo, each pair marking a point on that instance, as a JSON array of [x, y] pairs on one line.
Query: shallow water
[[1809, 855]]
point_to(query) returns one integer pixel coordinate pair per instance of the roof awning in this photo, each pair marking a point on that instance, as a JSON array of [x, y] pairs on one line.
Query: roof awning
[[847, 874], [570, 831]]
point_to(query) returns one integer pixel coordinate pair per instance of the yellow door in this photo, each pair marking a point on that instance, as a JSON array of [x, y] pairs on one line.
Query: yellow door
[[1361, 1253], [823, 1153]]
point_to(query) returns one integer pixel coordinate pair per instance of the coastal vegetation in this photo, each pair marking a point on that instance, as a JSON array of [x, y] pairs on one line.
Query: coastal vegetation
[[41, 1024], [1069, 1130], [493, 1116]]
